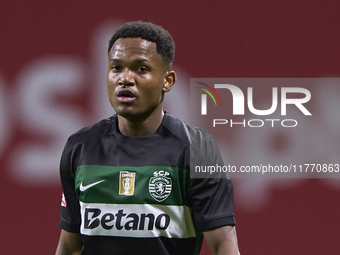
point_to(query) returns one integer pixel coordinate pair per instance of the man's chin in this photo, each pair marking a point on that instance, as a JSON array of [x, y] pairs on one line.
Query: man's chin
[[134, 116], [129, 114], [125, 113]]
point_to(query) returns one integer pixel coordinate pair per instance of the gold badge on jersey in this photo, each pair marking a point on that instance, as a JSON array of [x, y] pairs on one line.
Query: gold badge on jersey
[[126, 183]]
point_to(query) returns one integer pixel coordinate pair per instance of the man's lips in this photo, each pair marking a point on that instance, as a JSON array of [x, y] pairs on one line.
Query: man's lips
[[123, 99], [125, 95]]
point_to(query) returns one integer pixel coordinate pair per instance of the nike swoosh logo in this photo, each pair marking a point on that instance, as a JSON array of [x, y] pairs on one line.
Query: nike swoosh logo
[[83, 188]]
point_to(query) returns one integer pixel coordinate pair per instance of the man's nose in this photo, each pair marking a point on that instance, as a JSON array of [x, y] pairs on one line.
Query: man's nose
[[126, 78]]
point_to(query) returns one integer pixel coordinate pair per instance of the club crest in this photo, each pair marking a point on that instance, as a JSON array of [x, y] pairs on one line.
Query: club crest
[[160, 185]]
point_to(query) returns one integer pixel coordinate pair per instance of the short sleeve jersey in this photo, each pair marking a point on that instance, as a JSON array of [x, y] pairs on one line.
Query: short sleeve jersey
[[134, 195]]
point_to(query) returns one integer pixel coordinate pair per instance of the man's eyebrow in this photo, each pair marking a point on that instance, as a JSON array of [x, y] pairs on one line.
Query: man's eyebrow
[[138, 60], [115, 60]]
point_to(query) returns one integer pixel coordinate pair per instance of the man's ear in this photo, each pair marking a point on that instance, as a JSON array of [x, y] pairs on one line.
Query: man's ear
[[169, 81]]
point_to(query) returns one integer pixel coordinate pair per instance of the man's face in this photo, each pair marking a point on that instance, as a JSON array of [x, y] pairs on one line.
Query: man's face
[[137, 78]]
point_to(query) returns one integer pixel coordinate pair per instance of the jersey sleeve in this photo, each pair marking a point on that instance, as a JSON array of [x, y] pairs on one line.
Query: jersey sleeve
[[211, 199], [70, 209]]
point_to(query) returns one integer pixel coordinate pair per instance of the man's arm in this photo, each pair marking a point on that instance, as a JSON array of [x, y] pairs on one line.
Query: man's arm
[[222, 241], [69, 243]]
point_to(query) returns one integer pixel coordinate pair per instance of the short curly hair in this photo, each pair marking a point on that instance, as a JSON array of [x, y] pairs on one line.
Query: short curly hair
[[150, 32]]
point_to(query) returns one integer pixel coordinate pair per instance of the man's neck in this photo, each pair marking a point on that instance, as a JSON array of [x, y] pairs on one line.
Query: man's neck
[[142, 127]]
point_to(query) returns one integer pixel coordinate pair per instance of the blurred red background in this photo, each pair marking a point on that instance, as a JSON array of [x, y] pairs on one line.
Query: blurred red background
[[52, 83]]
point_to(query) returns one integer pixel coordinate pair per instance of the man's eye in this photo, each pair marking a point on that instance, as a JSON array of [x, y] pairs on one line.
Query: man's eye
[[116, 68], [142, 69]]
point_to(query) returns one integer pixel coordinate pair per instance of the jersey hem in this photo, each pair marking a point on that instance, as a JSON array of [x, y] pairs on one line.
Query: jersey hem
[[69, 227]]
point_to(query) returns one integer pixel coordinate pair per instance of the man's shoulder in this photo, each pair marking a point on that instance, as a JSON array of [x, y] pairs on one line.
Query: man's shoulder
[[88, 132], [184, 131]]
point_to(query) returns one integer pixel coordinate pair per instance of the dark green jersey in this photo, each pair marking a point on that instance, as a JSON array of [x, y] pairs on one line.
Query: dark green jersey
[[134, 195]]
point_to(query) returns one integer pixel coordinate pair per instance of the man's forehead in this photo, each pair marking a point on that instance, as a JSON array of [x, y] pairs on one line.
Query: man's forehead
[[133, 45]]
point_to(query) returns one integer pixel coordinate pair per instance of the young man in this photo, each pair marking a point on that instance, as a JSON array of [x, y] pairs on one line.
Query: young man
[[126, 180]]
